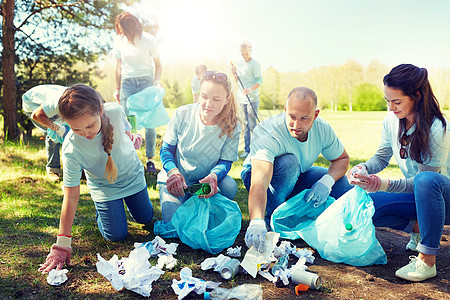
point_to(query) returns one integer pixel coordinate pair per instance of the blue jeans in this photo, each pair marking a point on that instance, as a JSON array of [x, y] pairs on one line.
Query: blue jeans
[[249, 121], [52, 149], [111, 218], [429, 205], [169, 204], [287, 182], [131, 86]]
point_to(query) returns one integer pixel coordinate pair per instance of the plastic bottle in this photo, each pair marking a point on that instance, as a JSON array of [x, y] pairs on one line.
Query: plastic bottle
[[240, 292], [198, 189], [230, 269], [281, 263], [304, 277]]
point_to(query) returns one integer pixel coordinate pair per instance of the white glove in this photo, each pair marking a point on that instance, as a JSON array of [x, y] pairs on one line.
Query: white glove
[[256, 234]]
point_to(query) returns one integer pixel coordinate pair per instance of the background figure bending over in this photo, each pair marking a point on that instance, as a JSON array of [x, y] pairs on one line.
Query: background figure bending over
[[195, 82], [136, 52], [249, 72]]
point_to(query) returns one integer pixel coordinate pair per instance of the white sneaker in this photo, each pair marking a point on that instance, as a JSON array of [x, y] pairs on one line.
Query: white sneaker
[[416, 270], [413, 242], [244, 155]]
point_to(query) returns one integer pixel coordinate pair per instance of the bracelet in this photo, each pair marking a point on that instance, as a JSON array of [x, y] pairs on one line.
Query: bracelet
[[173, 171], [64, 241], [69, 236]]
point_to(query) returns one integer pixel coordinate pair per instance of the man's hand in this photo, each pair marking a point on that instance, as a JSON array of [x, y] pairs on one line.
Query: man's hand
[[256, 234], [320, 190]]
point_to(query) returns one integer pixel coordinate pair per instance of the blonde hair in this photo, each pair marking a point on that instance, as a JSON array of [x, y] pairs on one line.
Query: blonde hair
[[81, 99], [228, 118]]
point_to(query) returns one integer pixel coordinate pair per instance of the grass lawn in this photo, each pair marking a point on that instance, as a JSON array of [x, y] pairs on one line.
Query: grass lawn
[[30, 207]]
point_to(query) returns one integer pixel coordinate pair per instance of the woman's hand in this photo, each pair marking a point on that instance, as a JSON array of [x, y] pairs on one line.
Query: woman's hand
[[212, 180], [175, 183], [58, 256], [358, 169]]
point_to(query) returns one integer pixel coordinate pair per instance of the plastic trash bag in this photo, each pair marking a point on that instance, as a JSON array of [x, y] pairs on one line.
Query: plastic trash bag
[[331, 235], [210, 224], [148, 107]]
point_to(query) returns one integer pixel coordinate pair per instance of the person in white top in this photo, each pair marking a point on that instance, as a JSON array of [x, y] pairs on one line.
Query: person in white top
[[416, 133], [136, 52]]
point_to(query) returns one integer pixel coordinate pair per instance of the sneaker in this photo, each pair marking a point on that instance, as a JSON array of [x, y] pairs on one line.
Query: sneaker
[[413, 242], [416, 270], [244, 155], [151, 167], [53, 177]]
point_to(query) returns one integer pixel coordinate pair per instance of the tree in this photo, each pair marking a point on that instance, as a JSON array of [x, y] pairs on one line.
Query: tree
[[34, 32], [368, 97]]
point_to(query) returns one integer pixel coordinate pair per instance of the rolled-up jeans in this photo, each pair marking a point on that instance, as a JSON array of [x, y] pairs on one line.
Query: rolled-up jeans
[[131, 86], [287, 181], [429, 205]]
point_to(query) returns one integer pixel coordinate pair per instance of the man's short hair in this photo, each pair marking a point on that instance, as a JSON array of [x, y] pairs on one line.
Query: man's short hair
[[302, 92], [246, 45], [200, 69]]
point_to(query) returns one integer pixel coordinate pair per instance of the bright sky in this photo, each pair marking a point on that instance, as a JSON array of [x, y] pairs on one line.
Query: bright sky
[[298, 35]]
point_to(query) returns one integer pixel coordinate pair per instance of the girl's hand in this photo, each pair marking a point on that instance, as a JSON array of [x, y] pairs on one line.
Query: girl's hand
[[175, 184], [58, 256], [212, 180]]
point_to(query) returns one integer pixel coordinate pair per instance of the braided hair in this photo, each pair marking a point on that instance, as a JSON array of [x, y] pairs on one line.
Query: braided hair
[[81, 99]]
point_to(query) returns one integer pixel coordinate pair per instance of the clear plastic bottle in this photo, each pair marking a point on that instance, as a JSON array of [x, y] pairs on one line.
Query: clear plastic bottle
[[281, 263], [240, 292]]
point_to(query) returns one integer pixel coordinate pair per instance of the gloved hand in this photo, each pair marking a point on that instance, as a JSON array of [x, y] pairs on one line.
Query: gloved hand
[[358, 169], [136, 138], [176, 183], [256, 234], [58, 135], [58, 256], [370, 183], [212, 180], [116, 95], [320, 190]]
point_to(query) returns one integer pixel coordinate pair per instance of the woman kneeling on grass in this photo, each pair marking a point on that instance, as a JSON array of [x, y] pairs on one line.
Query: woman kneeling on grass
[[99, 144], [417, 134], [200, 144]]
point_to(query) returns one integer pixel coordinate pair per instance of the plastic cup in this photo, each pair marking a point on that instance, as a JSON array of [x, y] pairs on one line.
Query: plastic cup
[[304, 277], [230, 269], [132, 120]]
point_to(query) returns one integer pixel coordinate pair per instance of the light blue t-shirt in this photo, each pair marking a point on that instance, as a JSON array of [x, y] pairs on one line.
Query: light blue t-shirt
[[46, 95], [440, 146], [137, 59], [250, 73], [79, 153], [199, 147], [195, 85], [271, 138]]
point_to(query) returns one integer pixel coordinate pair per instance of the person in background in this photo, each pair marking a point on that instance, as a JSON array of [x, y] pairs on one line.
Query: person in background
[[200, 144], [416, 133], [195, 82], [40, 104], [280, 164], [136, 52], [249, 73], [99, 144]]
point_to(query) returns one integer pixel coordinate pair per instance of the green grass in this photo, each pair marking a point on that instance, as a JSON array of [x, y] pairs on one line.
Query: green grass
[[30, 207]]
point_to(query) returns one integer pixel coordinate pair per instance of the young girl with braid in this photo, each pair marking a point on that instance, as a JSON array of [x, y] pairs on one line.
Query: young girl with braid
[[99, 144]]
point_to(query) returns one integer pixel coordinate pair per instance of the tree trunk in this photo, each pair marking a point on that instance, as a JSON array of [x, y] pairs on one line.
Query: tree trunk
[[10, 127]]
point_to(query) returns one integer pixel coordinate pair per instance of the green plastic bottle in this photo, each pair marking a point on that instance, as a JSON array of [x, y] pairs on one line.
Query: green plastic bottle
[[198, 189]]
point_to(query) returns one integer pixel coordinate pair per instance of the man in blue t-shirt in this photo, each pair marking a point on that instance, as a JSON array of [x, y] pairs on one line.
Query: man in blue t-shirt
[[280, 164]]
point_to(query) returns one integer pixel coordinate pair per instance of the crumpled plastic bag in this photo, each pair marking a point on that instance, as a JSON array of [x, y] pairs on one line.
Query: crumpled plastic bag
[[148, 107], [326, 231], [210, 224], [188, 284], [57, 277]]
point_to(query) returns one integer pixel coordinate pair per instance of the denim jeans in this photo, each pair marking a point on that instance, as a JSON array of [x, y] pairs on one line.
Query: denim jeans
[[287, 182], [169, 204], [131, 86], [249, 121], [52, 149], [111, 218], [429, 205]]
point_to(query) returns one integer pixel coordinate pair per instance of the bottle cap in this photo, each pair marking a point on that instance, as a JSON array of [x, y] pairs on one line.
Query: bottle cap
[[348, 226], [206, 296]]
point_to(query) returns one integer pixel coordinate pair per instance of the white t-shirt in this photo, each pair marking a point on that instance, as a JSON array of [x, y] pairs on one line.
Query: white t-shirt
[[46, 95], [249, 73], [136, 59], [195, 85], [79, 153], [440, 146], [199, 147], [271, 138]]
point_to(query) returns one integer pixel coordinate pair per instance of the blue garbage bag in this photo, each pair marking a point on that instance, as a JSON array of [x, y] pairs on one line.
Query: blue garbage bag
[[210, 224], [56, 137], [148, 107], [343, 232]]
